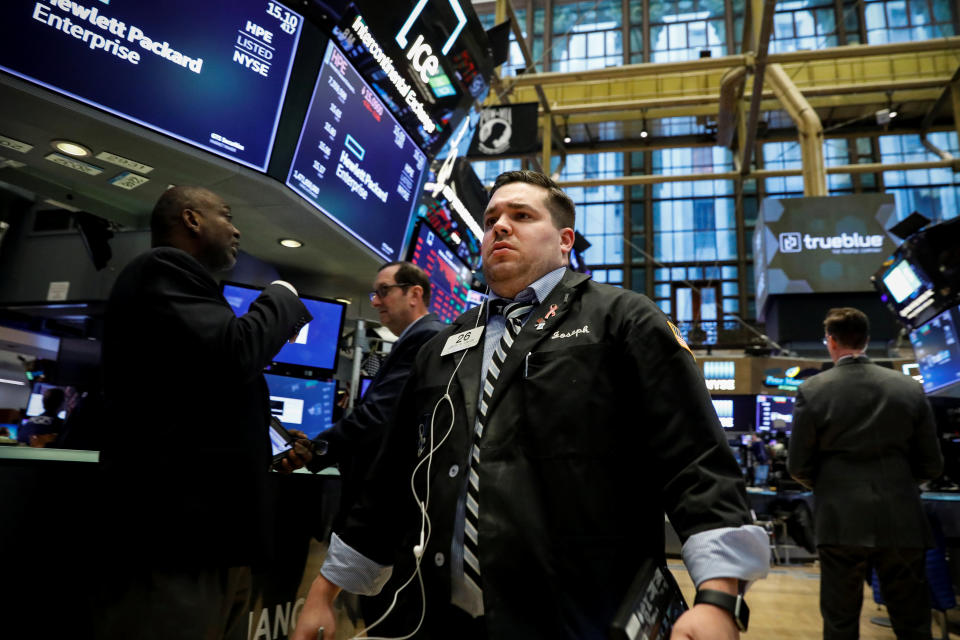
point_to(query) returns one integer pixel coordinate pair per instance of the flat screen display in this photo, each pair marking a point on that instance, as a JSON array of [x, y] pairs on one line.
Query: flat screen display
[[354, 162], [302, 404], [774, 413], [736, 412], [449, 276], [365, 384], [724, 409], [475, 298], [902, 281], [315, 349], [938, 353], [212, 74]]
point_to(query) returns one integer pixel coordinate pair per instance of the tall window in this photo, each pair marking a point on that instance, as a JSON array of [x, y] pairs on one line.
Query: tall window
[[933, 192], [804, 24], [488, 170], [783, 155], [599, 213], [685, 29], [905, 20], [586, 35]]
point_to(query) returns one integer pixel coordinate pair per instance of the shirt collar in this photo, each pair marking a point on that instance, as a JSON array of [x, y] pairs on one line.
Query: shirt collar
[[538, 290], [409, 326]]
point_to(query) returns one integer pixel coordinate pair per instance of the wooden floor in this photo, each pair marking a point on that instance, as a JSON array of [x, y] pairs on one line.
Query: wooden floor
[[786, 606]]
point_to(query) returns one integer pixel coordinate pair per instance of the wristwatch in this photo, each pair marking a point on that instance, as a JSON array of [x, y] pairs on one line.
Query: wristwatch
[[736, 606]]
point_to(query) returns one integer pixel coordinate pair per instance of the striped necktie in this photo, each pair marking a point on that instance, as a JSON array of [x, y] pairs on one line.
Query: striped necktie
[[514, 313]]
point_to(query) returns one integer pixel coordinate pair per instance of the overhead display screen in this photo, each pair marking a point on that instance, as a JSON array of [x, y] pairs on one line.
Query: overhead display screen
[[449, 276], [315, 348], [213, 74], [354, 162], [938, 352], [822, 244]]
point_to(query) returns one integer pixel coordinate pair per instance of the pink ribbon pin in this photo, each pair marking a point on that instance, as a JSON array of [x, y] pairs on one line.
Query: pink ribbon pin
[[552, 312]]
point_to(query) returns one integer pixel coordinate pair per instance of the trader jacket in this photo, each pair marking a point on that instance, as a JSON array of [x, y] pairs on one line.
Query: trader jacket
[[863, 439], [186, 449], [600, 423]]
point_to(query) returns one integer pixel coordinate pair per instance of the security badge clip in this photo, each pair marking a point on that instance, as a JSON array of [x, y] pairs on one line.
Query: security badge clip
[[463, 340]]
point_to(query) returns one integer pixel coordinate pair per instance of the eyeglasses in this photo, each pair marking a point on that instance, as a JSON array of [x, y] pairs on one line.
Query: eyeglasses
[[384, 289]]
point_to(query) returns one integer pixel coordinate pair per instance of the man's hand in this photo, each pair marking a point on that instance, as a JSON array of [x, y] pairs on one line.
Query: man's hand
[[299, 455], [317, 611], [705, 621]]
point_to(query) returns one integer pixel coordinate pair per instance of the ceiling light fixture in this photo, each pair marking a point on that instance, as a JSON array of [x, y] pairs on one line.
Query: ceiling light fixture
[[71, 148], [566, 130], [643, 126], [16, 382], [290, 243]]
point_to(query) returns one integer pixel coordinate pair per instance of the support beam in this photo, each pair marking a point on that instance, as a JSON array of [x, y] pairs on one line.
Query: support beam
[[699, 66], [809, 129], [547, 132], [873, 167], [763, 25]]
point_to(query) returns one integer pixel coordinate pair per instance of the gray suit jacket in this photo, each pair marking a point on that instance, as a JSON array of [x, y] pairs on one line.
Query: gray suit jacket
[[863, 438]]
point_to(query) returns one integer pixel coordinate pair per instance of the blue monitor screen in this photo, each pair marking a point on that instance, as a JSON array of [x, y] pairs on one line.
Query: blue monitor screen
[[213, 74], [774, 412], [301, 404], [316, 344], [364, 384], [937, 350], [354, 162], [449, 276]]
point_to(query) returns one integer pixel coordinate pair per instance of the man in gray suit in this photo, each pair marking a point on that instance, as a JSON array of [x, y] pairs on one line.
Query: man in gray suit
[[863, 439]]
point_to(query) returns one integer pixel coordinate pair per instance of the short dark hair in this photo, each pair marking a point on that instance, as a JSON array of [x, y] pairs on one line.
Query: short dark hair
[[559, 203], [849, 327], [166, 213], [53, 399], [411, 275]]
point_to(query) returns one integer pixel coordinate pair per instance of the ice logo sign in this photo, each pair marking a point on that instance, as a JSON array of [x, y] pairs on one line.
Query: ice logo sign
[[791, 242]]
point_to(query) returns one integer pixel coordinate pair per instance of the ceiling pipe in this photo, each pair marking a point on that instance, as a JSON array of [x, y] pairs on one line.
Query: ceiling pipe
[[809, 129]]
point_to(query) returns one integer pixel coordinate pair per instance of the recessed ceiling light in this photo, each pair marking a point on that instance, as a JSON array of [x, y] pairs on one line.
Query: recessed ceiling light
[[893, 114], [71, 148], [290, 243]]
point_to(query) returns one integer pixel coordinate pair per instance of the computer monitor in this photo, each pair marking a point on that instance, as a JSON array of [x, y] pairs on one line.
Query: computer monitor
[[449, 275], [302, 404], [314, 354], [774, 413], [938, 352]]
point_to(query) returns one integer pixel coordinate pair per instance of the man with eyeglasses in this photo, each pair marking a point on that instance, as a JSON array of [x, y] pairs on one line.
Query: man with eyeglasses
[[401, 295], [863, 439]]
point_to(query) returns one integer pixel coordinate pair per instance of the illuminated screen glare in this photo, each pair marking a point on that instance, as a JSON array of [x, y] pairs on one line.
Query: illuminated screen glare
[[901, 281], [212, 74], [354, 162], [449, 277]]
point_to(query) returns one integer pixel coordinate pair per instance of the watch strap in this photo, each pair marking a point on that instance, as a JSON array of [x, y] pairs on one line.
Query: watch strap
[[734, 605]]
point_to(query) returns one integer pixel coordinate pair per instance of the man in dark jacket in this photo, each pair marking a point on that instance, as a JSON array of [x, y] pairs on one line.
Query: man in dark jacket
[[545, 446], [186, 452], [863, 439], [401, 296]]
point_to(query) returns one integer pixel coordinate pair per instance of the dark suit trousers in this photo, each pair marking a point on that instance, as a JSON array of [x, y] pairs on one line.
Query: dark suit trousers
[[902, 573], [202, 604]]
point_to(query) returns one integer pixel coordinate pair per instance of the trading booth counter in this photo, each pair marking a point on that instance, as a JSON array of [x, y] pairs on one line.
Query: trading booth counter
[[50, 529]]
